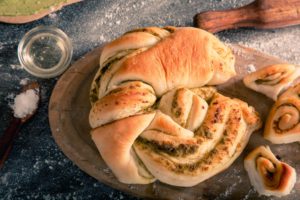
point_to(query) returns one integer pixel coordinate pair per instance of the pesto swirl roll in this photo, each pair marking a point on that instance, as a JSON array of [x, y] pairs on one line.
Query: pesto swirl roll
[[267, 174], [272, 80], [283, 123]]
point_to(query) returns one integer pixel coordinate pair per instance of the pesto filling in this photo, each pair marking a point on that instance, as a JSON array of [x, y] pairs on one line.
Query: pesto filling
[[267, 82], [107, 66], [170, 29], [269, 177], [181, 150], [276, 122], [272, 82], [176, 110], [144, 30], [215, 156], [147, 30]]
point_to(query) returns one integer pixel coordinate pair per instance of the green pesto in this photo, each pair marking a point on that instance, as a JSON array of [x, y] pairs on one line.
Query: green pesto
[[93, 96], [204, 133], [145, 31], [170, 29], [176, 110], [94, 92], [26, 7], [178, 151], [266, 82], [276, 122], [204, 163]]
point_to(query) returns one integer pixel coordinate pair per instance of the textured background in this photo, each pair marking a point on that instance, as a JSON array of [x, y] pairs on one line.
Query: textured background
[[36, 168]]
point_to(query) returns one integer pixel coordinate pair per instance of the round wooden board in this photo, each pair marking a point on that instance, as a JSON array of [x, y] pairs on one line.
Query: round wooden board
[[68, 114]]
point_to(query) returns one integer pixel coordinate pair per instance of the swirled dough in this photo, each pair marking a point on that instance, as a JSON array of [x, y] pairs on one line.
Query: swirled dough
[[273, 79], [282, 125], [267, 174]]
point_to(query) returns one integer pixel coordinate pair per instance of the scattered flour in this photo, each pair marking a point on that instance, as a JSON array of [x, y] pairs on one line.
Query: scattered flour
[[4, 178], [102, 38], [24, 81], [10, 99], [10, 96], [13, 66]]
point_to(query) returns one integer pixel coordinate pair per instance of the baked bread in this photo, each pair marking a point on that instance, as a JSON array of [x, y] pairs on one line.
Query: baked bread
[[146, 121], [267, 174], [282, 125], [164, 58], [273, 79]]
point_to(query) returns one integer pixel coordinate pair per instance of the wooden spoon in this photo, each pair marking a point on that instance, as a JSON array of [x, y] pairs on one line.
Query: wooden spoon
[[262, 14], [7, 139]]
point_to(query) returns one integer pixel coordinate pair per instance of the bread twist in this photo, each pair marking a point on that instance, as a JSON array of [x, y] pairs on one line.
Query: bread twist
[[151, 120]]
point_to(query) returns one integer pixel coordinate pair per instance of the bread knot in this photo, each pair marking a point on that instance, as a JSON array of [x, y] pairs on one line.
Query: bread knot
[[154, 115]]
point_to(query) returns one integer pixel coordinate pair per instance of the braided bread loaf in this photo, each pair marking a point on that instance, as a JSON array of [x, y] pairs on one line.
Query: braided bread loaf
[[151, 119]]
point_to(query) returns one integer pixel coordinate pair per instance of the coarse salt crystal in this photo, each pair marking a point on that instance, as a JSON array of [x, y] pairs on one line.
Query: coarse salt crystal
[[25, 103]]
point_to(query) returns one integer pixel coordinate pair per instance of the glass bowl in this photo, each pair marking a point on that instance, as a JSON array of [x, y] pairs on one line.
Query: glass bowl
[[45, 51]]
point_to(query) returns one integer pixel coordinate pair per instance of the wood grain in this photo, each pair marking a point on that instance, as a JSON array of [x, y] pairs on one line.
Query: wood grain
[[30, 18], [68, 114], [262, 14]]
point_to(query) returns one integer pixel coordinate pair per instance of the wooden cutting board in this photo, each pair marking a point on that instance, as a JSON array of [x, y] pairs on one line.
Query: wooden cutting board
[[68, 114]]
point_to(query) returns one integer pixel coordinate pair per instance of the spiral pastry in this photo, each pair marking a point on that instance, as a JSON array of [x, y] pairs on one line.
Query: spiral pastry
[[267, 174], [273, 79], [283, 123], [150, 117]]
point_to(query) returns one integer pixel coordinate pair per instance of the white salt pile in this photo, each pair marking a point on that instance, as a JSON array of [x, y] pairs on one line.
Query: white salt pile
[[25, 103]]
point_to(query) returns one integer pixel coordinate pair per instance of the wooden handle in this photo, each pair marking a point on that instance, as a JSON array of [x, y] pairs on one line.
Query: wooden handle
[[264, 14], [7, 139]]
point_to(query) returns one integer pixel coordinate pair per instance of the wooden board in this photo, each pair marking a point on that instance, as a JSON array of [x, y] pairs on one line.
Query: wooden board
[[30, 18], [68, 114]]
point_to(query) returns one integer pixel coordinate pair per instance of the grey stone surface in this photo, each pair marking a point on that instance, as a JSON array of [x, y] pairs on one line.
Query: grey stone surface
[[36, 168]]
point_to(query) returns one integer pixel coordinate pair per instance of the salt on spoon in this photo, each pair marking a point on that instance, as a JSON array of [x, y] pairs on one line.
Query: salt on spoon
[[25, 106]]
